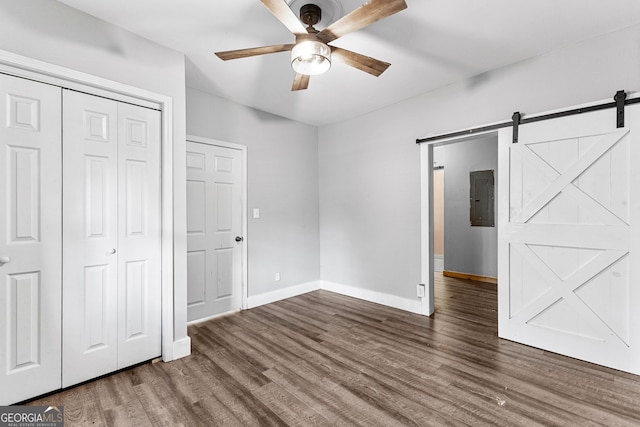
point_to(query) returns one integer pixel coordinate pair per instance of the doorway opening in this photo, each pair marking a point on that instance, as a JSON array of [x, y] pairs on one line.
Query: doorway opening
[[459, 252]]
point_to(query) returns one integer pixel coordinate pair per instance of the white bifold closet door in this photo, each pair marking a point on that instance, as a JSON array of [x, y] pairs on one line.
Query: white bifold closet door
[[111, 236], [30, 239]]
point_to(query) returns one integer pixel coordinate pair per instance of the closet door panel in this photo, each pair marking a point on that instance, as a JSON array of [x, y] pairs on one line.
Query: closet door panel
[[30, 239], [139, 235], [90, 243]]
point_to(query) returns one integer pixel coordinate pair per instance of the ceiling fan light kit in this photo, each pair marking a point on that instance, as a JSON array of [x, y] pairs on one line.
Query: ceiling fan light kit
[[311, 53], [311, 57]]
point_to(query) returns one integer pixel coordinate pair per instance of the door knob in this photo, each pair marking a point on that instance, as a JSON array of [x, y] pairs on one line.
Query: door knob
[[111, 251], [4, 260], [239, 238]]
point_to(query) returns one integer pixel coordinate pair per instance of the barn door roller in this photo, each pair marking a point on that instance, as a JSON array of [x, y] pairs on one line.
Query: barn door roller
[[620, 97], [516, 123]]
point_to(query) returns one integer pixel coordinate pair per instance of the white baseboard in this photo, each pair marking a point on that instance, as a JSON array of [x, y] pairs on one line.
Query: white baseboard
[[280, 294], [413, 305], [181, 348], [215, 316]]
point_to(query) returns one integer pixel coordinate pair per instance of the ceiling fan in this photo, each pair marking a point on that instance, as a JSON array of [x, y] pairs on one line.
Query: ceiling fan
[[311, 53]]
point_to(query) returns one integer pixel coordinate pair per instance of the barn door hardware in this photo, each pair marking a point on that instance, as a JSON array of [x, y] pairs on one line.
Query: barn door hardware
[[619, 102], [516, 123], [620, 97]]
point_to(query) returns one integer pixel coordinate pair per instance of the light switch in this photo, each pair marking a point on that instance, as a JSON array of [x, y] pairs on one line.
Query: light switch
[[256, 213]]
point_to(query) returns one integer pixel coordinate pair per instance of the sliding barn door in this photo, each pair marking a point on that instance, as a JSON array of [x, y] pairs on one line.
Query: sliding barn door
[[30, 239], [111, 244], [569, 249]]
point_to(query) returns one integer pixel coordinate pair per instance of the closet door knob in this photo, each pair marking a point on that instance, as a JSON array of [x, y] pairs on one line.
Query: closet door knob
[[4, 260], [112, 251]]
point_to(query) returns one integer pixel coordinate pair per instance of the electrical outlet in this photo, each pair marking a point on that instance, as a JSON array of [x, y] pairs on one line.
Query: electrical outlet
[[420, 290], [277, 276], [256, 213]]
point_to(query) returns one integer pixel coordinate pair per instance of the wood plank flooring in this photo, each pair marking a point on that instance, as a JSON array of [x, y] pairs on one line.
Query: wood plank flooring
[[325, 359]]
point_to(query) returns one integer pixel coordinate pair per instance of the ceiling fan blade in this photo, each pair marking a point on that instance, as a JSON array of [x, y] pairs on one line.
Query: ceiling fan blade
[[366, 14], [301, 82], [253, 51], [361, 62], [285, 15]]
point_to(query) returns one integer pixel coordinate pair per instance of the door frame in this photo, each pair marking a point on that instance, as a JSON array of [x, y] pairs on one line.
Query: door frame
[[29, 68], [244, 291], [426, 213]]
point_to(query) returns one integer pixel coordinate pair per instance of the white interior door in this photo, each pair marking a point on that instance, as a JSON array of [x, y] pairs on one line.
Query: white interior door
[[214, 221], [569, 237], [30, 239], [111, 244]]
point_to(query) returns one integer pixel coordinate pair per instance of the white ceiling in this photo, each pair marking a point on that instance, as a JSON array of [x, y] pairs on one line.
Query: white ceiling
[[431, 44]]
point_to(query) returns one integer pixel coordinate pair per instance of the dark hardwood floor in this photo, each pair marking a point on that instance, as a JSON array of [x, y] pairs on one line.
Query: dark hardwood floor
[[326, 359]]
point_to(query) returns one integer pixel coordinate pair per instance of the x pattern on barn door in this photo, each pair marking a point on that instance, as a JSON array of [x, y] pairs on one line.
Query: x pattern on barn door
[[569, 240]]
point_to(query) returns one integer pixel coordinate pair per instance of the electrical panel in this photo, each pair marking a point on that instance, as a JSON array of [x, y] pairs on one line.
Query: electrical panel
[[481, 197]]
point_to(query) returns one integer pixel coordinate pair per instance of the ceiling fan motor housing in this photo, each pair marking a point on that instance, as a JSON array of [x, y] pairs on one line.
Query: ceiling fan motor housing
[[310, 14]]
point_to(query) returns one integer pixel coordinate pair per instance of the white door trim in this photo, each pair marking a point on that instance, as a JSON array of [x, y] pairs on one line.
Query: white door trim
[[45, 72], [245, 231], [426, 227]]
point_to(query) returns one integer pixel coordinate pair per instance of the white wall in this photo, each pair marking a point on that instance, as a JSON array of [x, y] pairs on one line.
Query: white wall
[[52, 32], [370, 165], [467, 249], [369, 206], [282, 182]]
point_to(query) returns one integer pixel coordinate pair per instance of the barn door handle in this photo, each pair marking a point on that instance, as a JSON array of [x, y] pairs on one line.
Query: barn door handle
[[4, 260], [239, 238]]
